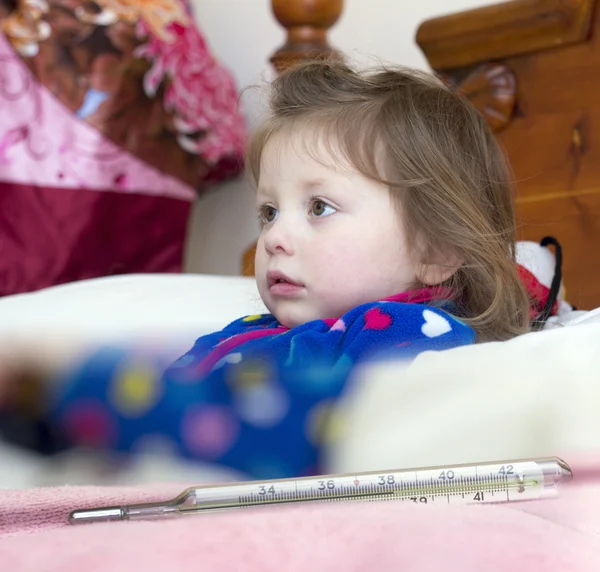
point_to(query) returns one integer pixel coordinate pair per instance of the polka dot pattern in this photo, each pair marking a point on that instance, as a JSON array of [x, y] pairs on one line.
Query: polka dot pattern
[[136, 390], [250, 375], [252, 318], [209, 431], [262, 406], [255, 397], [89, 424]]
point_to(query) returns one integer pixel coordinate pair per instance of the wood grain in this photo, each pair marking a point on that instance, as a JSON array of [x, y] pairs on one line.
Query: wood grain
[[306, 23], [553, 50], [503, 30]]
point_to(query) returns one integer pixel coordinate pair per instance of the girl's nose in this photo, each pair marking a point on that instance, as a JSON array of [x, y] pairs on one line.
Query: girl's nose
[[279, 238]]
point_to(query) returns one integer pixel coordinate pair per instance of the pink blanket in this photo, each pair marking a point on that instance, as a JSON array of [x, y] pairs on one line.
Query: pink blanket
[[561, 534]]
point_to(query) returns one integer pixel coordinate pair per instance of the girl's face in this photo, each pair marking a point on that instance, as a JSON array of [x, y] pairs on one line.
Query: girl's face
[[331, 239]]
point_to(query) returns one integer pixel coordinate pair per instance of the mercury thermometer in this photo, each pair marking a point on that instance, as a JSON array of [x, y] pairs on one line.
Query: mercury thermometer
[[481, 483]]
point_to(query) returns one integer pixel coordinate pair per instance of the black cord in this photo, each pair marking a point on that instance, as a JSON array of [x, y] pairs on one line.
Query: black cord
[[542, 317]]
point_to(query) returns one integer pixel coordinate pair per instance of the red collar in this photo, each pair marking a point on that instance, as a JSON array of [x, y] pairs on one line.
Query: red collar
[[419, 296], [422, 295]]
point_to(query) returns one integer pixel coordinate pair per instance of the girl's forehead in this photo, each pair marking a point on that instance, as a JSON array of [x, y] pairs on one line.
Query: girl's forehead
[[305, 145], [323, 147]]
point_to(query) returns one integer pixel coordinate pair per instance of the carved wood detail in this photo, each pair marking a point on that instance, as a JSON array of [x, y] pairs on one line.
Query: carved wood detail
[[492, 89], [502, 30], [306, 23]]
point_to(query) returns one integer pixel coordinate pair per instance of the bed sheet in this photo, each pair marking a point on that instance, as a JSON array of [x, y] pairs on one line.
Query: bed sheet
[[559, 534]]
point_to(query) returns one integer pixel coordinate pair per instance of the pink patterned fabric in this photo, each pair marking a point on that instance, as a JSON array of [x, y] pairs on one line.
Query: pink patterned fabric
[[42, 143], [201, 93], [114, 116], [544, 536], [104, 51]]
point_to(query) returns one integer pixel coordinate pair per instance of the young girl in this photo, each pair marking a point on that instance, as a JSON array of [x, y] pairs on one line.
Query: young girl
[[387, 230]]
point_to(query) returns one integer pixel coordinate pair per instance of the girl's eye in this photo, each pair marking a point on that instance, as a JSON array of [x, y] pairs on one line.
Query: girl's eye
[[320, 208], [267, 214]]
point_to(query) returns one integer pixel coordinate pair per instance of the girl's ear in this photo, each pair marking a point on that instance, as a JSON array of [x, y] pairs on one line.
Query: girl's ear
[[437, 273]]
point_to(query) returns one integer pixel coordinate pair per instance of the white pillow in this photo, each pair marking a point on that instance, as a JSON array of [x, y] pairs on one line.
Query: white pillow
[[131, 305], [535, 395]]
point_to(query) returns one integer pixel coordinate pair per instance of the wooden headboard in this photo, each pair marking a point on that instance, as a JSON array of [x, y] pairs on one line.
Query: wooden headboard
[[532, 67]]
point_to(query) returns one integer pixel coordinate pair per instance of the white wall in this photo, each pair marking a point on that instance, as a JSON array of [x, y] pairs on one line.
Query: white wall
[[243, 34]]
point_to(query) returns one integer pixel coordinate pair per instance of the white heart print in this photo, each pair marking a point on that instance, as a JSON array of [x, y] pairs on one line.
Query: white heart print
[[229, 358], [435, 325], [233, 358]]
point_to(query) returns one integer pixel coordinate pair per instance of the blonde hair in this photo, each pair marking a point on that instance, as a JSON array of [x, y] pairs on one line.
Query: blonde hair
[[430, 146]]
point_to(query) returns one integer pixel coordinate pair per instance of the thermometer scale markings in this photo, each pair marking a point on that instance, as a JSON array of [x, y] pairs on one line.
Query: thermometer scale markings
[[412, 489]]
